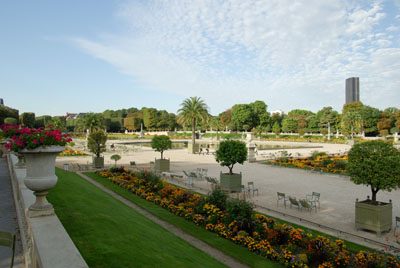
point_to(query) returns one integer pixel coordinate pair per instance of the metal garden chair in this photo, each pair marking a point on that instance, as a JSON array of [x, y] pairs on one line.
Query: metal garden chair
[[281, 196], [251, 188], [308, 205], [294, 202], [314, 198]]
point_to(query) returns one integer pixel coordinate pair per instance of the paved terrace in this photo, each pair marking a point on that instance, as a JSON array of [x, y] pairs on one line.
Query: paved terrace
[[338, 193]]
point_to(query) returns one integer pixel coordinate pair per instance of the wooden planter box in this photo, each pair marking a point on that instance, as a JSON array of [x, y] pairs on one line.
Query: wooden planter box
[[98, 162], [161, 165], [377, 218], [193, 149], [231, 183]]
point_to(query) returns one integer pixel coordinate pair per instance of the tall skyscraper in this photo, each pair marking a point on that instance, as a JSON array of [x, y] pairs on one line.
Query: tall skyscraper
[[352, 89]]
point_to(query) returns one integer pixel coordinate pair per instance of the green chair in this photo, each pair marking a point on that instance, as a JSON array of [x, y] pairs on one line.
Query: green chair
[[294, 202], [281, 196], [8, 240], [314, 198], [308, 205], [397, 224], [251, 188]]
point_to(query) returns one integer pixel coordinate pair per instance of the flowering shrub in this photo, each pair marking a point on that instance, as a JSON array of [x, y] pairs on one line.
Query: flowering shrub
[[239, 223], [332, 164], [29, 138]]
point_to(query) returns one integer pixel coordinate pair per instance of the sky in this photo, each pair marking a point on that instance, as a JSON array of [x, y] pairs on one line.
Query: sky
[[89, 56]]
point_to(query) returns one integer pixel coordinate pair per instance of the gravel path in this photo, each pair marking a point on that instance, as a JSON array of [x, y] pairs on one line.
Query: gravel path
[[218, 255]]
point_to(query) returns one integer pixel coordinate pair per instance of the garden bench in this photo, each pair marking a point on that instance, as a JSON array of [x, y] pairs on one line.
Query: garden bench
[[8, 240], [281, 196]]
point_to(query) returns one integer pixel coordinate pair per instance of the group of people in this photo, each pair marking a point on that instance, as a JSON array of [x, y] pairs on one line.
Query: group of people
[[207, 149]]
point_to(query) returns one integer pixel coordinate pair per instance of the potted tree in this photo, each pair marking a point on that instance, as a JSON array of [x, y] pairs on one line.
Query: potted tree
[[377, 165], [97, 145], [115, 157], [229, 153], [160, 144]]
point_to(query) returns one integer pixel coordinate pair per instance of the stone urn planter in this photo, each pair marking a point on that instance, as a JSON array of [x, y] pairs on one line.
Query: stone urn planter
[[98, 162], [3, 150], [21, 161], [375, 217], [40, 177], [231, 182], [161, 165]]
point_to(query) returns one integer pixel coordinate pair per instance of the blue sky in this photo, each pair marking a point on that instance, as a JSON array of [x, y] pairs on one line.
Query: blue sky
[[80, 56]]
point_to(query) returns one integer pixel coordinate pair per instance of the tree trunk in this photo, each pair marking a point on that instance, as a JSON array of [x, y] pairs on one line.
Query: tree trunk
[[193, 128], [374, 192], [161, 154]]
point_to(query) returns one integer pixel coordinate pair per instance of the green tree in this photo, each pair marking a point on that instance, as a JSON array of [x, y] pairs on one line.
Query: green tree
[[115, 157], [150, 118], [97, 142], [226, 118], [91, 121], [192, 110], [384, 125], [352, 122], [132, 122], [161, 143], [375, 164], [231, 152], [59, 122], [289, 124], [313, 124], [10, 121], [259, 113], [328, 117], [370, 117], [276, 128], [27, 119], [242, 115]]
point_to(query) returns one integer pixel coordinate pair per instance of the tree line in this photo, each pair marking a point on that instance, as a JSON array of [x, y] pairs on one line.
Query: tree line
[[354, 118]]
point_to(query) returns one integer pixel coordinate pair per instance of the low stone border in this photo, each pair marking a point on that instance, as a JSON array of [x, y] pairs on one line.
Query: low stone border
[[45, 242]]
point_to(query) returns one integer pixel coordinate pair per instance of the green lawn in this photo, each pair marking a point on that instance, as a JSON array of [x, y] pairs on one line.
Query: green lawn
[[110, 234], [229, 248]]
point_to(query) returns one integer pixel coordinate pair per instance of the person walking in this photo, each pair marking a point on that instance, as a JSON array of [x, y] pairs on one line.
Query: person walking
[[208, 149]]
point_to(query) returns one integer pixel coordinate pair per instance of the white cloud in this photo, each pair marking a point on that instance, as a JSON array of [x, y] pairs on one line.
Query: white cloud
[[289, 54]]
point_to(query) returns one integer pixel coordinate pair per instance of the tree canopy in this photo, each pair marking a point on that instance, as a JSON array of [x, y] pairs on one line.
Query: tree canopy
[[231, 152], [192, 110], [375, 164]]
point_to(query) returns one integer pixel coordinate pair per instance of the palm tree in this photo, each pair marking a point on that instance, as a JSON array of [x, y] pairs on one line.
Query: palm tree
[[192, 110], [91, 121]]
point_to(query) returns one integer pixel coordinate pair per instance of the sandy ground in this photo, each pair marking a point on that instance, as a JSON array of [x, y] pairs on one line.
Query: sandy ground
[[338, 193]]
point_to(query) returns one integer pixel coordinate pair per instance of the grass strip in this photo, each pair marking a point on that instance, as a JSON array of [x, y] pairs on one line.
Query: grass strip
[[110, 234], [240, 253]]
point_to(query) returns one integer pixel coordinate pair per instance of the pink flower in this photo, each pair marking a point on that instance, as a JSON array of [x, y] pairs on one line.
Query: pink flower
[[41, 139], [69, 140], [35, 141]]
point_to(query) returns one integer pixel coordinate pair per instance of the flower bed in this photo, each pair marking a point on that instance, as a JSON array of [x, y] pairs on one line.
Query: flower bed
[[321, 162], [236, 221], [71, 152]]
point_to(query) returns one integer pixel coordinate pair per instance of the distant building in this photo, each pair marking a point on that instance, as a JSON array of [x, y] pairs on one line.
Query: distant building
[[1, 102], [352, 89], [280, 112], [69, 116]]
